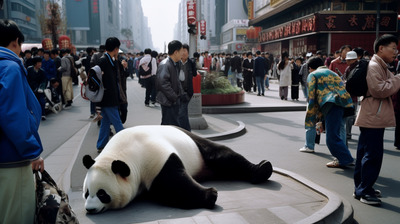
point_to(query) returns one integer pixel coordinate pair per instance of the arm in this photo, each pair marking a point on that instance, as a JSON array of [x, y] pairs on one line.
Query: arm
[[164, 83], [312, 107], [378, 86]]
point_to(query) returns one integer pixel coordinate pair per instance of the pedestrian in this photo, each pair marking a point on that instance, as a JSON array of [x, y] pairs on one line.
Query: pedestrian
[[375, 114], [38, 82], [123, 74], [112, 96], [66, 77], [285, 76], [49, 66], [339, 64], [187, 72], [296, 78], [20, 144], [260, 72], [236, 68], [87, 65], [304, 74], [94, 60], [168, 85], [28, 58], [248, 65], [268, 60], [328, 99], [147, 72]]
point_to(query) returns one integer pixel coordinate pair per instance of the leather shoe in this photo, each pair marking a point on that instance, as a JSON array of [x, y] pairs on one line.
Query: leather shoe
[[370, 200]]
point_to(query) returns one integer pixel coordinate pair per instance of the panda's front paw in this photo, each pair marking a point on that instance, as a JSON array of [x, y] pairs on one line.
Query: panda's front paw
[[211, 198]]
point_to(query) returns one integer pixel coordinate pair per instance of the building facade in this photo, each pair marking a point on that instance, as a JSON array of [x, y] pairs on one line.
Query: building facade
[[300, 26]]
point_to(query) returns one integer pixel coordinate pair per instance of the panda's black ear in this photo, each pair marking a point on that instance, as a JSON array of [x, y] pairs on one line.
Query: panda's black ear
[[88, 161], [121, 168]]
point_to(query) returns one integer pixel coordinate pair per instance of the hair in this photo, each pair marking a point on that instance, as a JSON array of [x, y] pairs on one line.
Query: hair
[[282, 63], [258, 52], [112, 43], [63, 51], [41, 49], [196, 55], [10, 32], [249, 53], [36, 60], [68, 50], [154, 54], [53, 80], [173, 46], [315, 62], [141, 53], [54, 51], [344, 47], [359, 51], [147, 51], [89, 50], [384, 40], [299, 58], [185, 46], [27, 52], [235, 53], [46, 52]]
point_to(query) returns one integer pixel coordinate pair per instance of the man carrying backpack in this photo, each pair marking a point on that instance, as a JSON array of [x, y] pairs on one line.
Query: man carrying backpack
[[147, 72], [375, 114]]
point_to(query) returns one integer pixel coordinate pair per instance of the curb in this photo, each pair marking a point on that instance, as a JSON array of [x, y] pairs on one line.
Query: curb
[[252, 109], [238, 131]]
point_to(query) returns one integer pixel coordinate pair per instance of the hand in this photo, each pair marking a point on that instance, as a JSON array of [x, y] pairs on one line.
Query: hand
[[38, 164], [124, 64]]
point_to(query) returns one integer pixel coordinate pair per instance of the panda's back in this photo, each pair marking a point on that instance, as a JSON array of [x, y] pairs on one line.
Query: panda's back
[[149, 147]]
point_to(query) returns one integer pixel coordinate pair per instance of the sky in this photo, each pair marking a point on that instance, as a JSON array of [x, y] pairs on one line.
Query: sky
[[162, 16]]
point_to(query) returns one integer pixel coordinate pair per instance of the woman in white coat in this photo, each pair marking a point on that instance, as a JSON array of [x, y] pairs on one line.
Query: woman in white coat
[[285, 76]]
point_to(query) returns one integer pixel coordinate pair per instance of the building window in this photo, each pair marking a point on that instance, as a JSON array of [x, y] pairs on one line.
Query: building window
[[352, 6], [110, 10], [337, 6], [369, 6]]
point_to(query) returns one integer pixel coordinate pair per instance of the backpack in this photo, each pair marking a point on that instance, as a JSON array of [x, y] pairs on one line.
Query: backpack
[[356, 81], [74, 70], [94, 89], [142, 72]]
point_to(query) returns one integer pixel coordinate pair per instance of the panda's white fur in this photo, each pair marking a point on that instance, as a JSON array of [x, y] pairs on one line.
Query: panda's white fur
[[145, 149]]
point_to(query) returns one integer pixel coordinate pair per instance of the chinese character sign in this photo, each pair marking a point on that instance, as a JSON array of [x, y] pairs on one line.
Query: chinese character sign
[[203, 28], [191, 12]]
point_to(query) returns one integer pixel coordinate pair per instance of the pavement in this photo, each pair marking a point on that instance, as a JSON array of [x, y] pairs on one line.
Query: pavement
[[286, 198]]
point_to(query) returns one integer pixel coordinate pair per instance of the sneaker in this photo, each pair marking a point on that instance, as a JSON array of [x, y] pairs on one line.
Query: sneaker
[[334, 164], [306, 149], [43, 118], [67, 106], [370, 200], [92, 116], [378, 194], [147, 105]]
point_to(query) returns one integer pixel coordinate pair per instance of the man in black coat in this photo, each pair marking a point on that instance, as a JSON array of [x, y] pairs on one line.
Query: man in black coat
[[236, 68], [113, 94]]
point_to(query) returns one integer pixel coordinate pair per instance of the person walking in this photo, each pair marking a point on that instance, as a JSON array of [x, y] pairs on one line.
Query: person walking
[[66, 78], [168, 85], [296, 78], [187, 72], [375, 114], [236, 68], [329, 99], [147, 72], [260, 72], [285, 75], [339, 64], [248, 65], [113, 95], [38, 82], [20, 144]]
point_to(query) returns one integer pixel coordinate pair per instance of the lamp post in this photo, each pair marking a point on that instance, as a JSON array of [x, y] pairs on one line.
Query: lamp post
[[196, 119]]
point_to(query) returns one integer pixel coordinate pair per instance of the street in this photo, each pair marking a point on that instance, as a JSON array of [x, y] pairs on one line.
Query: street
[[276, 136]]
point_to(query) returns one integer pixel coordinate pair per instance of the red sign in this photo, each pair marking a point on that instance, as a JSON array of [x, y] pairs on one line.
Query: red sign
[[95, 6], [203, 28], [191, 12]]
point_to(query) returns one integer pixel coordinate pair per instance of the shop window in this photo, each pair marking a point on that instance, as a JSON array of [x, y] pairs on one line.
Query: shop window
[[369, 6], [337, 6], [352, 6]]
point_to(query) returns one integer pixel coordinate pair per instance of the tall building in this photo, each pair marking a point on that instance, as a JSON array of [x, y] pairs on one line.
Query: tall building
[[23, 12]]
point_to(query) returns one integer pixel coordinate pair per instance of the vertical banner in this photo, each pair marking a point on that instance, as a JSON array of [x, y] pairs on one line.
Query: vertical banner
[[250, 10], [203, 28], [191, 12]]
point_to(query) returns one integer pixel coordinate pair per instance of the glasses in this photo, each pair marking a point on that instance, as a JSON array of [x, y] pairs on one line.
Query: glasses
[[393, 49]]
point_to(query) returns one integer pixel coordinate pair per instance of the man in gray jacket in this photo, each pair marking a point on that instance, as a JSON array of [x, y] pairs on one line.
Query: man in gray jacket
[[168, 85]]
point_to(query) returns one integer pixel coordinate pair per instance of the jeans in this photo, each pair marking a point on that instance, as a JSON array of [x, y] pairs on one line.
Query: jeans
[[260, 84], [92, 108], [169, 115], [232, 78], [369, 160], [310, 137], [267, 81], [183, 117], [305, 91], [110, 116], [333, 124]]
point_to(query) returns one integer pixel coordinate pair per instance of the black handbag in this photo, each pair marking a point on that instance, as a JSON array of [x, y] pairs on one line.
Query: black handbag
[[51, 202]]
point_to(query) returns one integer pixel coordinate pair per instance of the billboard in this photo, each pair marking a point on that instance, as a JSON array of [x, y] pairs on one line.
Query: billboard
[[77, 14]]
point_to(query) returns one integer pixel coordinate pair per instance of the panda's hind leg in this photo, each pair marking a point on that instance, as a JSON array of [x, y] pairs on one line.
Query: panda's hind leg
[[174, 187]]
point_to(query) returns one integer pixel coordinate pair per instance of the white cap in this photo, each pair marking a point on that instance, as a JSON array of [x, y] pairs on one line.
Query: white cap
[[309, 54], [351, 55]]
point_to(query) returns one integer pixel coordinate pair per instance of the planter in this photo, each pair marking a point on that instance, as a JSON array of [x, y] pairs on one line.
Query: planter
[[222, 99]]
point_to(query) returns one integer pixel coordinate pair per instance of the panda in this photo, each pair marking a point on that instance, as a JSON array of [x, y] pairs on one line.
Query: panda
[[166, 162]]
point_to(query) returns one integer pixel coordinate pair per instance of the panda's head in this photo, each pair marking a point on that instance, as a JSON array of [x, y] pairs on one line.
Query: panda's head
[[106, 185]]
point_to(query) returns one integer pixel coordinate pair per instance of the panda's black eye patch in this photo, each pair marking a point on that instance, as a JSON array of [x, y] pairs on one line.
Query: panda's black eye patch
[[87, 193], [103, 196]]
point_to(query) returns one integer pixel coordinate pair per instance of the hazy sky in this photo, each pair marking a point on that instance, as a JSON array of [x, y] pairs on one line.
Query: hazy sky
[[162, 16]]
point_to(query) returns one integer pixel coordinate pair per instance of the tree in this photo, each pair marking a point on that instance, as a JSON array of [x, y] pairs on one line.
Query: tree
[[52, 22]]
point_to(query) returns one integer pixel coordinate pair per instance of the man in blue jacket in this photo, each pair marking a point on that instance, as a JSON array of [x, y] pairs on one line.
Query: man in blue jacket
[[20, 144], [260, 72]]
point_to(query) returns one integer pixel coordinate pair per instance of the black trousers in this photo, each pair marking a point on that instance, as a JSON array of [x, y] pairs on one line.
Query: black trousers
[[294, 92]]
